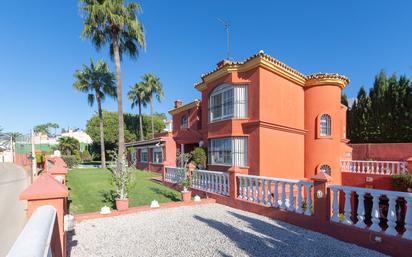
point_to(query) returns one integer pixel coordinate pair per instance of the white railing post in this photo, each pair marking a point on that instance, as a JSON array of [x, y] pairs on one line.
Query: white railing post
[[299, 208], [263, 199], [269, 193], [348, 207], [291, 198], [308, 211], [283, 202], [391, 216], [361, 210], [240, 187], [408, 219], [276, 194], [375, 213], [257, 190], [335, 205]]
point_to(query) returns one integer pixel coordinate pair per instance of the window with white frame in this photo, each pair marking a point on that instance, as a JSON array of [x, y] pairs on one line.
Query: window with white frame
[[158, 155], [184, 123], [325, 125], [133, 157], [325, 169], [228, 101], [228, 151], [143, 155]]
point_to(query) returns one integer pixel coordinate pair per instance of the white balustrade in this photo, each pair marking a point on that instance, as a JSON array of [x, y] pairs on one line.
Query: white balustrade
[[287, 194], [374, 167], [376, 213], [174, 174], [211, 181]]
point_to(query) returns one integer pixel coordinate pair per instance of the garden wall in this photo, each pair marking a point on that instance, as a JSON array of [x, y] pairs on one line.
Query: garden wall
[[382, 152]]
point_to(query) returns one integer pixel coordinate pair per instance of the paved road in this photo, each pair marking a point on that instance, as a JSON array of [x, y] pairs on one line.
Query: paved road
[[13, 180]]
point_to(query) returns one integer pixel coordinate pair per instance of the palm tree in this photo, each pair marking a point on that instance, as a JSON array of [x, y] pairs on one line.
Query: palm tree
[[154, 87], [96, 81], [138, 95], [111, 21], [69, 145], [14, 136]]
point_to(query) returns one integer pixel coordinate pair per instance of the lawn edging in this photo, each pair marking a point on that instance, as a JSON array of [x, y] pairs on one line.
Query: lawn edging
[[138, 209]]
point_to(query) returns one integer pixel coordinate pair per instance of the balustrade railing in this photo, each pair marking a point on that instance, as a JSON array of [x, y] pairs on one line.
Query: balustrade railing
[[211, 181], [35, 239], [374, 167], [377, 210], [291, 195], [174, 174]]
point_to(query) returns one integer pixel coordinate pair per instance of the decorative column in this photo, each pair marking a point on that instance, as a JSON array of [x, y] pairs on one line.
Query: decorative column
[[233, 171], [321, 199], [46, 190]]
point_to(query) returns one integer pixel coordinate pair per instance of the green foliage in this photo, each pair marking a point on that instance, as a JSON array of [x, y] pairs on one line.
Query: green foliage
[[96, 81], [86, 157], [385, 114], [69, 146], [122, 177], [45, 128], [199, 157], [186, 183], [40, 158], [70, 160], [402, 181]]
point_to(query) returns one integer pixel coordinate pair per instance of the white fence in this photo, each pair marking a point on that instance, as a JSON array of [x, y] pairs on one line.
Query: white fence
[[374, 167], [175, 175], [398, 202], [34, 240], [211, 181], [291, 195]]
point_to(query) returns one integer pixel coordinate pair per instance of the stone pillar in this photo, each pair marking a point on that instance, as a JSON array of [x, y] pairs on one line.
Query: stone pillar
[[321, 199], [46, 190], [233, 171], [409, 161]]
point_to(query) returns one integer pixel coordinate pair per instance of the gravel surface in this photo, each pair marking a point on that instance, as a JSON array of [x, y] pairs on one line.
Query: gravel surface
[[203, 230]]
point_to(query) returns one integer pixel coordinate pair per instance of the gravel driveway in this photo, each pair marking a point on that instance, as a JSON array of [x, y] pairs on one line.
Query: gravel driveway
[[203, 230]]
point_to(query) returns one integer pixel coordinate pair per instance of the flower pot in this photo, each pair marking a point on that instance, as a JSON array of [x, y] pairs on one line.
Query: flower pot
[[186, 196], [122, 204]]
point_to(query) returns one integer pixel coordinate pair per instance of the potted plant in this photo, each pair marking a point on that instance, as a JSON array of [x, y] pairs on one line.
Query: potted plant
[[122, 181], [186, 194], [402, 182]]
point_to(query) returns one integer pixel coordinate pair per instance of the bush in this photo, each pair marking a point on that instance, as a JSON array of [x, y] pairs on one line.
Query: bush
[[402, 181], [70, 160], [40, 158], [86, 156], [199, 157]]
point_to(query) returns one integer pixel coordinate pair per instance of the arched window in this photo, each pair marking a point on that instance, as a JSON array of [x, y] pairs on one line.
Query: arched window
[[325, 169], [325, 125]]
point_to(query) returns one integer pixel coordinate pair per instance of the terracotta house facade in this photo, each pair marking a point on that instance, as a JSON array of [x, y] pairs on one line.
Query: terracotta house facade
[[261, 117]]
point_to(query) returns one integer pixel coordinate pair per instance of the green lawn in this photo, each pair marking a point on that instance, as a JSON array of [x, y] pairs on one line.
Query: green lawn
[[91, 189]]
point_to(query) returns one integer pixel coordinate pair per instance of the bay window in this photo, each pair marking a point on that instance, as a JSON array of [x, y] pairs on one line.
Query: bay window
[[158, 155], [231, 151], [228, 101]]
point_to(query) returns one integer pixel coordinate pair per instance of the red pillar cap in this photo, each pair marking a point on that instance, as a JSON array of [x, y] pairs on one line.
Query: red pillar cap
[[322, 177], [44, 187], [409, 159]]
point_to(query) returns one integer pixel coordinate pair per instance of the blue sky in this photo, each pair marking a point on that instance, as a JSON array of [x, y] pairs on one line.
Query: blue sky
[[41, 48]]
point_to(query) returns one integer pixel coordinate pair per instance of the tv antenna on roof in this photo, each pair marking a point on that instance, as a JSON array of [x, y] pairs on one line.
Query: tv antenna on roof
[[226, 24]]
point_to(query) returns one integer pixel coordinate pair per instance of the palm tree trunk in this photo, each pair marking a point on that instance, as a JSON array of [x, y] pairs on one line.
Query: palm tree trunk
[[140, 121], [151, 114], [102, 150], [121, 145]]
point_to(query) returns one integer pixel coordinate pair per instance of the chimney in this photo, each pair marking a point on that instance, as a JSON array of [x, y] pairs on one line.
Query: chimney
[[223, 63], [178, 103]]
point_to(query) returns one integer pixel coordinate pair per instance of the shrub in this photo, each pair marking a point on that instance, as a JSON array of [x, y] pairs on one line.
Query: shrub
[[402, 181], [40, 158], [86, 156], [199, 157], [70, 160]]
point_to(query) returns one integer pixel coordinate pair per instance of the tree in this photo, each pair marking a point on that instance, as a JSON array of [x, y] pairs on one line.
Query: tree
[[69, 145], [138, 95], [110, 21], [14, 136], [97, 81], [45, 128], [154, 88]]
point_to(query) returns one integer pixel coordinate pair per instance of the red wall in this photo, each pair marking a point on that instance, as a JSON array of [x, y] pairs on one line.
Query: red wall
[[367, 180], [382, 152]]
